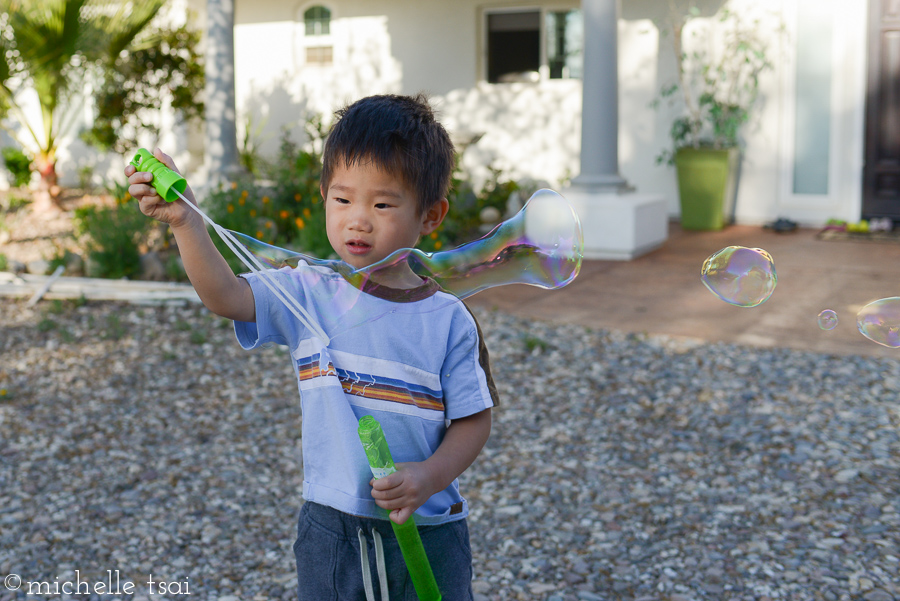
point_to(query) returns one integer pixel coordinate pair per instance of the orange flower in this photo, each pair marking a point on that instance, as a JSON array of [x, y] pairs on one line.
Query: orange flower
[[434, 235], [300, 223], [244, 194], [297, 197], [437, 245], [253, 212], [269, 225], [284, 214], [259, 235], [230, 208], [242, 201], [306, 213], [265, 199], [233, 185]]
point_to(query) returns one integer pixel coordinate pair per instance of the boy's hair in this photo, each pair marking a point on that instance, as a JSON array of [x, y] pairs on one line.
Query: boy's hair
[[398, 134]]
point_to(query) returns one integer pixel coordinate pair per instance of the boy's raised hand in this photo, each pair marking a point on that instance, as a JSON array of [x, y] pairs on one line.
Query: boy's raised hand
[[404, 491], [151, 203]]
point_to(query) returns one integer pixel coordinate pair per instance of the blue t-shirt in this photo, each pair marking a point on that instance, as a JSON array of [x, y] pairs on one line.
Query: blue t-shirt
[[414, 365]]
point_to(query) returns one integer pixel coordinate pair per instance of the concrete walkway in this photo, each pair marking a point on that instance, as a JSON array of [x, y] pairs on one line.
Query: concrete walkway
[[661, 292]]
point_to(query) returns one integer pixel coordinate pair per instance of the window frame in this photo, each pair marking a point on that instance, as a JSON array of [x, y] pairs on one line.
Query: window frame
[[320, 41], [542, 10]]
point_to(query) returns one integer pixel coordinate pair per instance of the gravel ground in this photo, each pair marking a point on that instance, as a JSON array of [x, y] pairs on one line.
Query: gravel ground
[[142, 441]]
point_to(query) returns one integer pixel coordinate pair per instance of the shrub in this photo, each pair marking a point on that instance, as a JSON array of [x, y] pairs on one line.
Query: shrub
[[19, 165], [112, 236], [286, 211]]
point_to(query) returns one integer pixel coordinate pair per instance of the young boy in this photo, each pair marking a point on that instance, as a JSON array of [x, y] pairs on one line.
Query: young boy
[[386, 173]]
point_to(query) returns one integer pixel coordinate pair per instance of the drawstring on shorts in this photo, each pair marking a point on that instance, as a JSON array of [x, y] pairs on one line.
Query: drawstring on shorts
[[379, 564]]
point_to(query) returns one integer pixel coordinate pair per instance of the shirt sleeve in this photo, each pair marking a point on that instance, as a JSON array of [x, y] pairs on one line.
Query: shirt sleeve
[[270, 318], [466, 378]]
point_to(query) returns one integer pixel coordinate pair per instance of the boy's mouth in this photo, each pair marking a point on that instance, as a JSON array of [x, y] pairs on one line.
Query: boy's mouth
[[358, 247]]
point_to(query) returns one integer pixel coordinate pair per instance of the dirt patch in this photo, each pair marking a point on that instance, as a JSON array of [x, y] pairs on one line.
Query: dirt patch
[[27, 236]]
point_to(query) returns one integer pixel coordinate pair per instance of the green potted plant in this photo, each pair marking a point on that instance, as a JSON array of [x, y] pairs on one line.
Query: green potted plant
[[718, 90]]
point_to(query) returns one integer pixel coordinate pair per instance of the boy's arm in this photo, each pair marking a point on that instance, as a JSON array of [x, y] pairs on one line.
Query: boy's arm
[[412, 484], [220, 290]]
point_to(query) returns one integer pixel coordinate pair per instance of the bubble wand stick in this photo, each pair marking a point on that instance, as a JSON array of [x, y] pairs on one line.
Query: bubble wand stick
[[382, 464]]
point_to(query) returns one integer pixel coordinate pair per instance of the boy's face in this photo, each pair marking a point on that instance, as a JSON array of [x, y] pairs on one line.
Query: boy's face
[[369, 214]]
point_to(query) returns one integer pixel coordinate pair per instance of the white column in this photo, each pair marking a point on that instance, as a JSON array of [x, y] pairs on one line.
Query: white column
[[221, 132], [600, 98], [618, 223]]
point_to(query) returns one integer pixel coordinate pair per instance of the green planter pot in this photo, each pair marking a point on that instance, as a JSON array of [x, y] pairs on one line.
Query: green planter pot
[[707, 184]]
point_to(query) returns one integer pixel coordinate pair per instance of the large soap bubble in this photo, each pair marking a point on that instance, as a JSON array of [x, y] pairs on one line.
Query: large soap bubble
[[542, 245], [879, 321], [740, 276]]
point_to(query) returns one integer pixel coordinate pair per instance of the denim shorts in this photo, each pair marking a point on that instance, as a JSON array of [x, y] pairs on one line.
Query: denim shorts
[[329, 565]]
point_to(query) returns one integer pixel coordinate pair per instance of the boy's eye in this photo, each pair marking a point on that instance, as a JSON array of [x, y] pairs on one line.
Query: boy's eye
[[341, 200], [382, 205]]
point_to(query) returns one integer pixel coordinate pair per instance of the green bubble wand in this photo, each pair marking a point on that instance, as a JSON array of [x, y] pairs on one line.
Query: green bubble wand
[[382, 464]]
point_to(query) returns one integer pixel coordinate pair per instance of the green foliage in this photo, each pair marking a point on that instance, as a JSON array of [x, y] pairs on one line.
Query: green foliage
[[285, 212], [4, 263], [717, 90], [112, 236], [463, 222], [19, 165], [533, 343], [164, 64], [249, 154], [53, 46]]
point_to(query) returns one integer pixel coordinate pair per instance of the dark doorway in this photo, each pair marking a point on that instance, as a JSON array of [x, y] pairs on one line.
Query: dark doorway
[[881, 179]]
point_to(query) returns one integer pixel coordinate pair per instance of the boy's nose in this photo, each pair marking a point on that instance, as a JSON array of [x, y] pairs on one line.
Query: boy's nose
[[360, 222]]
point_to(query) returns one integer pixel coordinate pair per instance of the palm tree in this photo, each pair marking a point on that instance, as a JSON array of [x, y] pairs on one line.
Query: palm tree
[[51, 47]]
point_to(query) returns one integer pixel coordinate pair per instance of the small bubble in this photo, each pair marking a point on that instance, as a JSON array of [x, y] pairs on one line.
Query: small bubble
[[740, 276], [828, 319]]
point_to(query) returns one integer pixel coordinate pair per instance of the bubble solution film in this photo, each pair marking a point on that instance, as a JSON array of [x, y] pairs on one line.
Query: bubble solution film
[[740, 276], [879, 321], [542, 245]]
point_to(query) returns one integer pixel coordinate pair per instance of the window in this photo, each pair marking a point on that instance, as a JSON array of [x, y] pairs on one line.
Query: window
[[529, 45], [315, 39], [317, 20], [564, 44]]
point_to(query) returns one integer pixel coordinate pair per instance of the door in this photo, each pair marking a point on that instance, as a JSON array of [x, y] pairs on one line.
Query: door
[[881, 178]]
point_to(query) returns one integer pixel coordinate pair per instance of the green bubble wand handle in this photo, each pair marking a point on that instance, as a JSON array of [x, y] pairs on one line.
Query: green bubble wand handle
[[382, 464], [169, 184]]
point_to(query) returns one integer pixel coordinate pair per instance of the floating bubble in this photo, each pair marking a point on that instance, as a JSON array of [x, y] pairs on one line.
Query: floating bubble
[[744, 277], [828, 319], [542, 245], [879, 321]]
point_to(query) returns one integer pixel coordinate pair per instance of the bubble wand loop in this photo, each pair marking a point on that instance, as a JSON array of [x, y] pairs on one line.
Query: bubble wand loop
[[170, 186], [382, 464]]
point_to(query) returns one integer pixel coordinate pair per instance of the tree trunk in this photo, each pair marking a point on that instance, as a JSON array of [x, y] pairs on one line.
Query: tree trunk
[[46, 199]]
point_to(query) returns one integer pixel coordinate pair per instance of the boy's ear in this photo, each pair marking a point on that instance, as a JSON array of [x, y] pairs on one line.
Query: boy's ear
[[434, 216]]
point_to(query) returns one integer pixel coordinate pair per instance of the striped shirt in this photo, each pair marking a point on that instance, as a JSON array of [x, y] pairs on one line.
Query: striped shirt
[[414, 365]]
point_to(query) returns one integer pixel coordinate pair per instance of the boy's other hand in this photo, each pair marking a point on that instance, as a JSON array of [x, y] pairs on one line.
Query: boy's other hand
[[404, 491], [151, 203]]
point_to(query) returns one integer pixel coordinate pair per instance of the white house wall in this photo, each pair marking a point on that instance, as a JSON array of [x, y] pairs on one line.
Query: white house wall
[[532, 130], [529, 130]]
